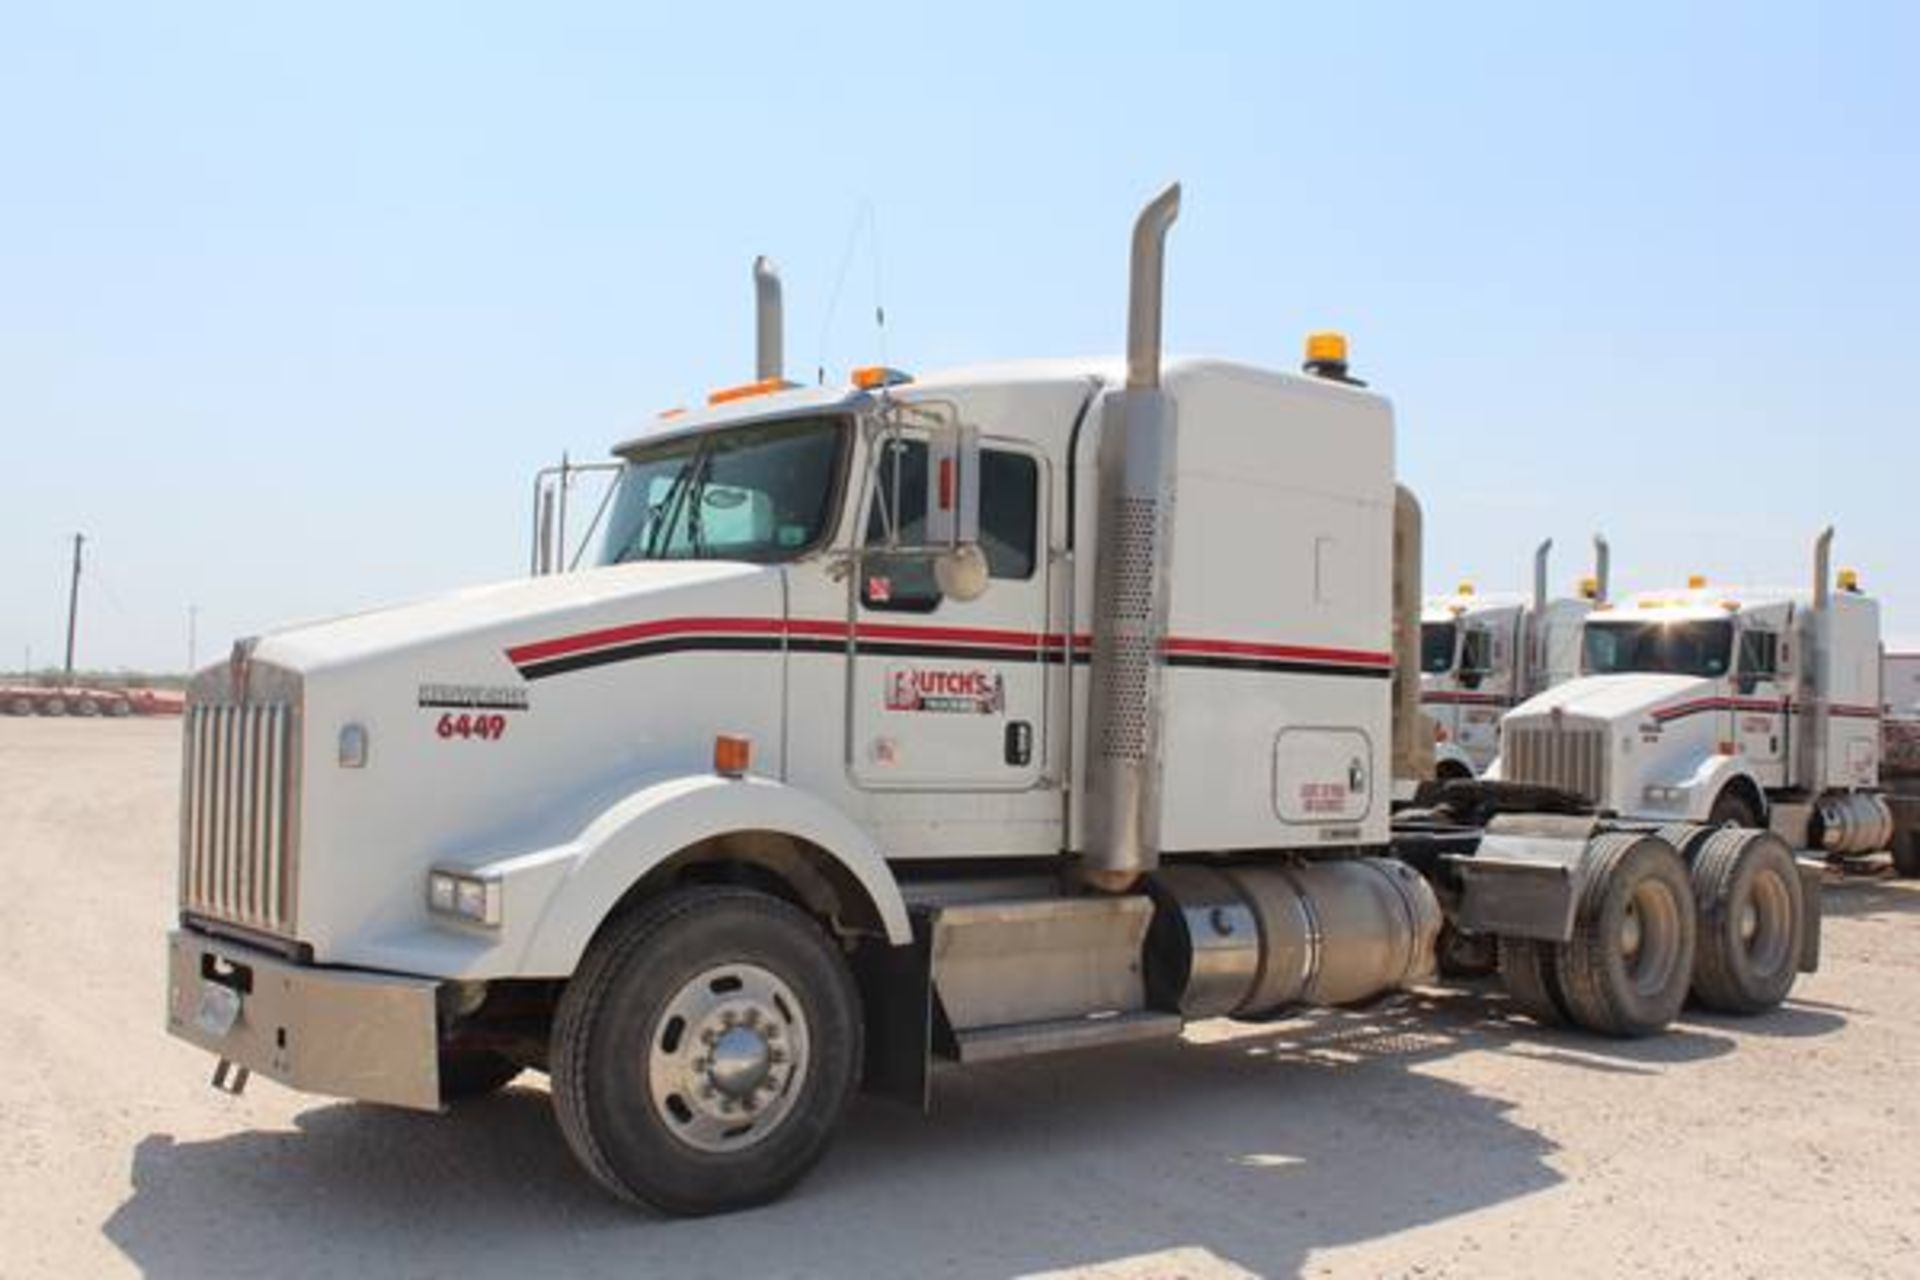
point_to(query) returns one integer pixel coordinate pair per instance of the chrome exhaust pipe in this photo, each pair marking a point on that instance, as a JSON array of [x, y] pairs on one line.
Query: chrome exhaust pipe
[[1135, 469], [1823, 569], [1526, 659], [1145, 286], [1602, 569], [769, 357], [1818, 649], [1412, 732]]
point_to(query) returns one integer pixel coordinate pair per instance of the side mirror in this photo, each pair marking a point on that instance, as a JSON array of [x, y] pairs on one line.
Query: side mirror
[[953, 485], [953, 510]]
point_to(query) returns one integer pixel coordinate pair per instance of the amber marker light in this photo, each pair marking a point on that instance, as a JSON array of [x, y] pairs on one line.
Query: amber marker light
[[747, 390], [872, 377], [732, 755]]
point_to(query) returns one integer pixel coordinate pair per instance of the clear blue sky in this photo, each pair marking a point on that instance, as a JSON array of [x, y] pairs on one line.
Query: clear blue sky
[[292, 303]]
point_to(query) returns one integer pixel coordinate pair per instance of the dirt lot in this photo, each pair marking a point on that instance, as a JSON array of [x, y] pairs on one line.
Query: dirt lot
[[1435, 1137]]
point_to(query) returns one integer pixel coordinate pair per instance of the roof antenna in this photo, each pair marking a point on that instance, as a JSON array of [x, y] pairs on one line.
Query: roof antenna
[[862, 217], [879, 304]]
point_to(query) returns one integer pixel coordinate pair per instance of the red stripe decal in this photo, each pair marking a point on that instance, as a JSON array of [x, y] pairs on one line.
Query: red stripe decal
[[820, 628], [1278, 652], [543, 649]]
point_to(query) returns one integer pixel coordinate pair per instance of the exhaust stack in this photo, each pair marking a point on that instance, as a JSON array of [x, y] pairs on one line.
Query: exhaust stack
[[769, 358], [1528, 655], [1135, 467], [1602, 569], [1817, 648], [1412, 740]]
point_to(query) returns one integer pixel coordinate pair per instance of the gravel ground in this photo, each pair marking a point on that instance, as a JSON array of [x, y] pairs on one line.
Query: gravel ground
[[1435, 1136]]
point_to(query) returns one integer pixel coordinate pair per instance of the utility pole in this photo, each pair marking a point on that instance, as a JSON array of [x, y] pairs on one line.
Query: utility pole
[[193, 635], [73, 601]]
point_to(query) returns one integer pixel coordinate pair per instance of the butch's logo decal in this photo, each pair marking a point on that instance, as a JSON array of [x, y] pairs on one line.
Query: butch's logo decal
[[946, 689]]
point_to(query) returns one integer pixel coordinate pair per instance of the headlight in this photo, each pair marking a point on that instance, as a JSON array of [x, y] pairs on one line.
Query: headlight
[[463, 896], [1666, 796]]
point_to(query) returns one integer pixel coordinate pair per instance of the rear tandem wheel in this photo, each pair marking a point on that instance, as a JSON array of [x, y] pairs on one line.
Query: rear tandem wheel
[[1627, 967]]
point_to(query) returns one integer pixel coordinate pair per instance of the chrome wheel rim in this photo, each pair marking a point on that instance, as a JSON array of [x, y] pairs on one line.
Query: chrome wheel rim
[[727, 1058], [1649, 936], [1766, 922]]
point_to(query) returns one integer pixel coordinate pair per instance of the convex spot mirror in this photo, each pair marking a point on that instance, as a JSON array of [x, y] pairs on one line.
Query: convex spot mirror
[[962, 572]]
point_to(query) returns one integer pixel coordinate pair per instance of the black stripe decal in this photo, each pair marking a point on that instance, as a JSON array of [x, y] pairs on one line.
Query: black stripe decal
[[1276, 666], [647, 649], [546, 667]]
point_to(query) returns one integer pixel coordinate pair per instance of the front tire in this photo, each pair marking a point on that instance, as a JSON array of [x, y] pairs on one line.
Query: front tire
[[1732, 809], [705, 1051]]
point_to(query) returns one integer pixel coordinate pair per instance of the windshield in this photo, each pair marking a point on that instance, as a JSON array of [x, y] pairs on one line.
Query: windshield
[[1436, 647], [1676, 648], [762, 493]]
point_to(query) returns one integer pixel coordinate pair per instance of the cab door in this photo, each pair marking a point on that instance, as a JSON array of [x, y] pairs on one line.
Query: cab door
[[1760, 698], [1484, 656], [949, 694]]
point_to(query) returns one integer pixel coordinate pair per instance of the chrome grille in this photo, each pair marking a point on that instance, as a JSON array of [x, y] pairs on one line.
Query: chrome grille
[[1571, 756], [238, 807]]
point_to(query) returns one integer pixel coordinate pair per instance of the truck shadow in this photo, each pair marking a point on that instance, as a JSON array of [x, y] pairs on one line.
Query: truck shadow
[[1246, 1146], [1857, 896], [1238, 1157]]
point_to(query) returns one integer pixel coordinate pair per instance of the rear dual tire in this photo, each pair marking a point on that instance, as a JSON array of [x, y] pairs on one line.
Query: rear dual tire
[[1751, 916], [1626, 969]]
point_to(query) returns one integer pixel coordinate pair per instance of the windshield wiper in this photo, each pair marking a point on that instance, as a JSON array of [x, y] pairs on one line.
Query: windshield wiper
[[657, 541]]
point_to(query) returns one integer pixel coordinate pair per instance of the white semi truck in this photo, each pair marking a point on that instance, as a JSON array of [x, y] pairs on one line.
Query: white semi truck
[[1017, 709], [1481, 654], [1745, 705]]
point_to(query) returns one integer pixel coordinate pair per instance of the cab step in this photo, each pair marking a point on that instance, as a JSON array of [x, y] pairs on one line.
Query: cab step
[[1022, 1040]]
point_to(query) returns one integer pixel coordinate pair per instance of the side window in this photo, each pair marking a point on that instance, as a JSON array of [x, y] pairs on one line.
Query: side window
[[1476, 656], [1009, 525], [1759, 657]]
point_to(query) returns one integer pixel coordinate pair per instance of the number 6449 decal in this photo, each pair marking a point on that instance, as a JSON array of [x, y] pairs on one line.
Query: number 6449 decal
[[487, 728]]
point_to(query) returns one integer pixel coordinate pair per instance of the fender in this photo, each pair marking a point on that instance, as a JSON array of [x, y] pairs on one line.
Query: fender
[[652, 824], [1710, 778]]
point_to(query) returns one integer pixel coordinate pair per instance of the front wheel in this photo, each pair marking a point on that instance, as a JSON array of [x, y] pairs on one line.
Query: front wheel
[[1731, 809], [705, 1051]]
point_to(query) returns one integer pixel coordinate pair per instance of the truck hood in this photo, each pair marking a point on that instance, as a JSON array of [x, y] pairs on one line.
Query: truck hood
[[524, 609], [1615, 698]]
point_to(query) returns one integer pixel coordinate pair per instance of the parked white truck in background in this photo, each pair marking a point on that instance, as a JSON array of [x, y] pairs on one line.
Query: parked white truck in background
[[1900, 683], [1481, 654], [1754, 706], [1022, 708]]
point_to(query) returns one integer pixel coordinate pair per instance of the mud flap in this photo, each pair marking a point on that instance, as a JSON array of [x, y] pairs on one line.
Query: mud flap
[[896, 993], [1525, 879], [1813, 874]]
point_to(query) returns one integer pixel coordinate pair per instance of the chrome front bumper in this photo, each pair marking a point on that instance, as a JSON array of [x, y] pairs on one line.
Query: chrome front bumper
[[340, 1032]]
